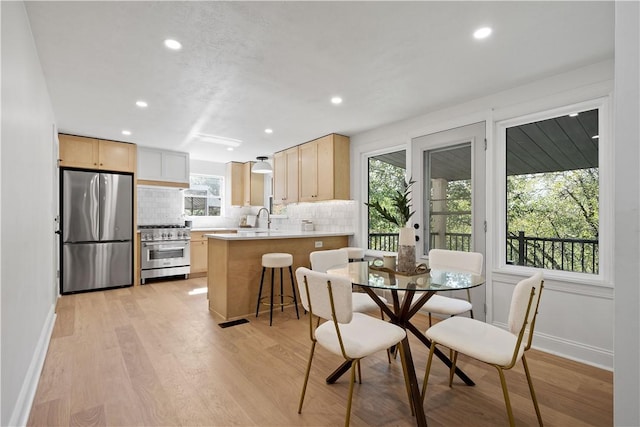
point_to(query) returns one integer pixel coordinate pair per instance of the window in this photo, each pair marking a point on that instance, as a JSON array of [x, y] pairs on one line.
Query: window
[[449, 197], [386, 174], [552, 193], [204, 196]]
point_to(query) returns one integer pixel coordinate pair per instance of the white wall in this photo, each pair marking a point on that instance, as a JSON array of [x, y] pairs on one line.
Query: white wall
[[576, 320], [627, 218], [27, 285]]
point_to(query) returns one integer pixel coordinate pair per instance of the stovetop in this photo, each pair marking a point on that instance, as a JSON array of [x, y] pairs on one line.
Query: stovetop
[[161, 232]]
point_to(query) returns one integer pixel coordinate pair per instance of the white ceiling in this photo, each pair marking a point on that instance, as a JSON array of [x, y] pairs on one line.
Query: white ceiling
[[247, 66]]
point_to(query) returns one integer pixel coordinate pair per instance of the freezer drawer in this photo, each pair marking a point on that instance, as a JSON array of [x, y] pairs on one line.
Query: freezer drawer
[[87, 266]]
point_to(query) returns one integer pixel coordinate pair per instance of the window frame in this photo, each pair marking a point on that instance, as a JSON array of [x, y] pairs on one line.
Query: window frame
[[222, 196], [605, 191], [365, 156]]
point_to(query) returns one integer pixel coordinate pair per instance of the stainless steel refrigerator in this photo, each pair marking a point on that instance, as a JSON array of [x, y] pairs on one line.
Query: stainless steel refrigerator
[[96, 229]]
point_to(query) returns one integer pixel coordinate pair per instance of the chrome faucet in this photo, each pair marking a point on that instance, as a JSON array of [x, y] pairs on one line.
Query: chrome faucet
[[268, 216]]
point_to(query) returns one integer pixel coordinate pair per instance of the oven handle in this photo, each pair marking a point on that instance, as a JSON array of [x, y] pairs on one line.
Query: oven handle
[[172, 248]]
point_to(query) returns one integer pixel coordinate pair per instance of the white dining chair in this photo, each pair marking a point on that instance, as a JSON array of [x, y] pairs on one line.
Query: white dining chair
[[323, 260], [345, 333], [490, 344], [447, 260]]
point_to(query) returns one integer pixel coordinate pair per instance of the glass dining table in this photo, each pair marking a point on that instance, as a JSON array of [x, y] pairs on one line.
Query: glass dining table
[[408, 294]]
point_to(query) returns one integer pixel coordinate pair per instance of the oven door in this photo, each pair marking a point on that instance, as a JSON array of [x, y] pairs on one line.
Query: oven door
[[173, 253]]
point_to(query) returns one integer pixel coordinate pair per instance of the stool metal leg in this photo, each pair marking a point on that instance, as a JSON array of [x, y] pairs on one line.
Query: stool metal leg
[[271, 301], [293, 288], [281, 292], [260, 291]]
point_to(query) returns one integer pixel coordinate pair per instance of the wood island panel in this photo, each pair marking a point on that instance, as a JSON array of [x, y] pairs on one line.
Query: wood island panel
[[235, 267]]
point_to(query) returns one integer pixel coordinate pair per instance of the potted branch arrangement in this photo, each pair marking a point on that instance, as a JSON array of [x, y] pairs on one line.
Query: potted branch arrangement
[[400, 216]]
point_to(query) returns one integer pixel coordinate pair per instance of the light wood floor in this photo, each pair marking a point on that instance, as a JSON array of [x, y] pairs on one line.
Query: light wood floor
[[152, 355]]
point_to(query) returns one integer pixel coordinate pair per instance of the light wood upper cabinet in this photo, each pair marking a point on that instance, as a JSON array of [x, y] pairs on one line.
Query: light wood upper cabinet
[[117, 156], [162, 167], [92, 153], [253, 186], [243, 187], [324, 169], [285, 176]]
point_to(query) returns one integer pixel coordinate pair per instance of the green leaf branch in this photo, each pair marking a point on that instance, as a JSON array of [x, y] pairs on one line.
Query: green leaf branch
[[401, 203]]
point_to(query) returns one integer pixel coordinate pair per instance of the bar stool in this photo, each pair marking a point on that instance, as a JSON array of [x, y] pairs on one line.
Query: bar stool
[[355, 254], [273, 261]]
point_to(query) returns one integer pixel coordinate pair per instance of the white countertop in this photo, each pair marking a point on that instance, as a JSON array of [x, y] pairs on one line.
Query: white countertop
[[215, 228], [275, 234]]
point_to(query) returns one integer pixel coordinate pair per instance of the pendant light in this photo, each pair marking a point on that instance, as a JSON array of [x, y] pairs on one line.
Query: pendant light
[[261, 166]]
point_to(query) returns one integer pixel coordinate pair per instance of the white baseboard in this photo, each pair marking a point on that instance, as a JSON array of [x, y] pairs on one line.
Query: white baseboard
[[590, 355], [20, 414], [572, 350]]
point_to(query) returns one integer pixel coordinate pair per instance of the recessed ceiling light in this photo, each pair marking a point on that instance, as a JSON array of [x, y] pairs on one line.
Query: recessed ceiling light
[[482, 33], [126, 132], [595, 137], [336, 100], [268, 130], [173, 44], [573, 115], [142, 104], [229, 148]]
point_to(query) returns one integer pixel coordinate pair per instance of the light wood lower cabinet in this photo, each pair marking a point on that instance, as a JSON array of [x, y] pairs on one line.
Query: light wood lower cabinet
[[198, 251], [198, 256], [235, 269]]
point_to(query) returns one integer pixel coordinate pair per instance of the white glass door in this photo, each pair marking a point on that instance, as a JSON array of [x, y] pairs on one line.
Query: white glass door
[[449, 194]]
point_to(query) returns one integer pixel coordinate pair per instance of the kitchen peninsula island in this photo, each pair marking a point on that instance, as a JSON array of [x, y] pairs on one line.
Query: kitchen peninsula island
[[235, 265]]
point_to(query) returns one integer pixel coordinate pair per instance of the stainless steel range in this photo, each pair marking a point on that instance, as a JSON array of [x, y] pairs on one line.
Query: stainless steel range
[[165, 251]]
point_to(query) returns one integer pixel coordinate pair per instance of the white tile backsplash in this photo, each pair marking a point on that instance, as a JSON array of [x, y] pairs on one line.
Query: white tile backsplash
[[336, 215], [160, 206], [166, 206]]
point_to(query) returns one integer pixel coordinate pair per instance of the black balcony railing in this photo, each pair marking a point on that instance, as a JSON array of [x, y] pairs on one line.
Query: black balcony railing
[[389, 241], [578, 255]]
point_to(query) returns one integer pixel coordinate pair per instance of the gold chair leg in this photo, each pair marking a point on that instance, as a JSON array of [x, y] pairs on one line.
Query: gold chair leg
[[533, 393], [406, 377], [453, 355], [507, 402], [306, 377], [428, 370], [388, 352], [350, 398], [469, 299], [429, 319]]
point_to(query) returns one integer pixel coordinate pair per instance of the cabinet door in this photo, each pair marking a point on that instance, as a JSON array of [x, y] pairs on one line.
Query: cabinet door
[[308, 171], [235, 183], [175, 166], [253, 186], [246, 179], [149, 164], [198, 256], [325, 158], [76, 151], [292, 174], [117, 156], [280, 178]]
